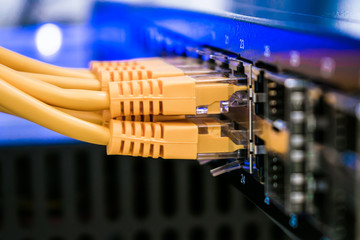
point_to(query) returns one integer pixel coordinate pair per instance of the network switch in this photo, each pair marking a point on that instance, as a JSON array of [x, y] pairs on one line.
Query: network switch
[[301, 117], [301, 146]]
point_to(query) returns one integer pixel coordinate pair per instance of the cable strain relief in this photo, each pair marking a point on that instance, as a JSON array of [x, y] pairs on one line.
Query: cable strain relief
[[139, 63], [96, 66], [164, 96], [172, 140], [106, 76]]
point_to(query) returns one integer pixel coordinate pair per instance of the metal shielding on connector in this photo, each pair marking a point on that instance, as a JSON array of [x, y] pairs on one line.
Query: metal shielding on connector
[[199, 72], [218, 139], [205, 158], [218, 79], [228, 167], [236, 72]]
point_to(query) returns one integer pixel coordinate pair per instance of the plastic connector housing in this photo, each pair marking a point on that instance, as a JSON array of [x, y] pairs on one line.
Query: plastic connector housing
[[212, 137], [138, 69], [107, 76], [171, 140], [136, 62], [106, 117], [168, 96], [181, 139], [210, 95]]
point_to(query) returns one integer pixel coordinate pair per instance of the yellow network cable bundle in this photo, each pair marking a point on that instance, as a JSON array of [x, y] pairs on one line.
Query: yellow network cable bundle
[[147, 107]]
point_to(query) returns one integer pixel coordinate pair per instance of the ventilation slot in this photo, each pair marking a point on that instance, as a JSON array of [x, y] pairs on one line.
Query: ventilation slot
[[142, 236], [83, 180], [223, 195], [224, 232], [24, 191], [197, 234], [53, 187], [170, 235], [251, 232], [111, 188], [141, 195], [85, 237], [196, 188], [168, 188]]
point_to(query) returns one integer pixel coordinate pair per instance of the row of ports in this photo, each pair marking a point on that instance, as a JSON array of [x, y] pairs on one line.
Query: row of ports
[[329, 195], [297, 110], [333, 116], [292, 105], [321, 154], [304, 140]]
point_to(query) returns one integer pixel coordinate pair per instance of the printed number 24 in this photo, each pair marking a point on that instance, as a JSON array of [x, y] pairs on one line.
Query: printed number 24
[[242, 180]]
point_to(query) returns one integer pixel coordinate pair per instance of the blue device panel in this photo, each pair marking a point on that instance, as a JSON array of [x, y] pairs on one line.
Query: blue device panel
[[321, 53]]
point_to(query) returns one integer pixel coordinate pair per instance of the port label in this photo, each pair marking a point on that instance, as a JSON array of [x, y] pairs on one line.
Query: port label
[[242, 44], [227, 39], [242, 179], [293, 222], [267, 52], [327, 67], [294, 58], [267, 199]]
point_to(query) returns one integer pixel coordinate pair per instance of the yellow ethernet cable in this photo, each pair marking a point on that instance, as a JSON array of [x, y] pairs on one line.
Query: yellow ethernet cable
[[148, 104], [67, 82], [171, 140], [183, 95], [25, 106], [67, 98], [93, 117], [181, 139], [90, 116], [4, 110], [170, 96], [21, 63]]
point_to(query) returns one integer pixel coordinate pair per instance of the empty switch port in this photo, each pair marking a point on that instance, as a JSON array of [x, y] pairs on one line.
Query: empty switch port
[[276, 98], [260, 88]]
